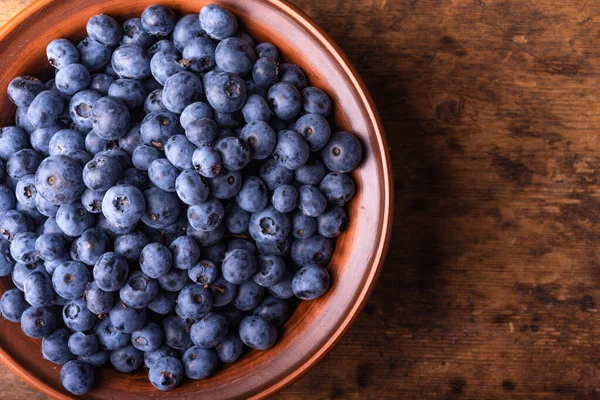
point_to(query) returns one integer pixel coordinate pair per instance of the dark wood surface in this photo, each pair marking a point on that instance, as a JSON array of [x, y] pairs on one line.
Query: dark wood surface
[[492, 111]]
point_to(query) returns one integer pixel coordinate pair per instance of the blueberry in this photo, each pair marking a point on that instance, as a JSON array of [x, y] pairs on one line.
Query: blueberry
[[235, 56], [274, 310], [123, 205], [238, 265], [132, 140], [153, 102], [204, 272], [94, 55], [58, 179], [22, 121], [235, 153], [130, 245], [158, 127], [14, 222], [285, 198], [22, 247], [40, 138], [97, 300], [292, 150], [82, 344], [162, 208], [7, 197], [110, 272], [70, 279], [72, 79], [342, 153], [310, 282], [94, 144], [50, 247], [110, 71], [12, 140], [239, 243], [201, 131], [223, 292], [267, 50], [45, 207], [23, 162], [215, 253], [77, 377], [206, 216], [237, 219], [253, 88], [110, 118], [96, 360], [38, 289], [195, 301], [191, 188], [256, 109], [303, 226], [22, 90], [226, 92], [89, 246], [38, 322], [101, 83], [148, 338], [12, 305], [156, 260], [158, 20], [139, 290], [264, 72], [176, 333], [186, 29], [76, 315], [55, 347], [104, 29], [135, 33], [332, 222], [291, 73], [311, 201], [218, 22], [74, 219], [92, 200], [166, 373], [130, 91], [7, 264], [143, 156], [131, 61], [126, 358], [127, 319], [230, 349], [249, 295], [209, 331], [181, 90], [283, 289], [253, 196], [269, 226], [164, 303], [207, 162], [185, 252], [179, 151], [257, 333], [109, 336], [274, 174], [315, 129], [65, 142], [80, 108], [271, 270], [113, 150], [315, 249], [101, 173], [165, 64], [200, 53], [21, 271], [163, 174], [151, 357], [226, 184], [194, 112], [314, 100]]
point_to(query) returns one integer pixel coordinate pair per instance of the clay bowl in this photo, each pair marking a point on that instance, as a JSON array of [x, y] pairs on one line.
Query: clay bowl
[[316, 325]]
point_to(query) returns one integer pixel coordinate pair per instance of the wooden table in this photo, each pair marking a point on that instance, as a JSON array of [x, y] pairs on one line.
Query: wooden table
[[492, 111]]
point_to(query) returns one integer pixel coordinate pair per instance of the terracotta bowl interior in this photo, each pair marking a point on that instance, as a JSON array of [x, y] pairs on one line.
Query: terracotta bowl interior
[[316, 325]]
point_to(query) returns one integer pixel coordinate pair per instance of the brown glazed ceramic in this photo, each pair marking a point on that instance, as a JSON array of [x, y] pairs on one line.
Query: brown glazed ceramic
[[359, 254]]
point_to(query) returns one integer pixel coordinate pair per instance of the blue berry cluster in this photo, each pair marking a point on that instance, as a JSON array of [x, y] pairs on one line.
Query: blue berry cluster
[[166, 197]]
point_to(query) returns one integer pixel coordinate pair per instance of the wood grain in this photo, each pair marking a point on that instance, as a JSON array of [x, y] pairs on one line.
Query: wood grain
[[490, 288]]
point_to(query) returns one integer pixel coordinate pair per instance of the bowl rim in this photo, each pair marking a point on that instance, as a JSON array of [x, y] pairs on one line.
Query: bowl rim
[[387, 196]]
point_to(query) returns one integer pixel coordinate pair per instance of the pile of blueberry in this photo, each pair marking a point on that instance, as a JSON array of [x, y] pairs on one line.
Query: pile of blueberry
[[167, 197]]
